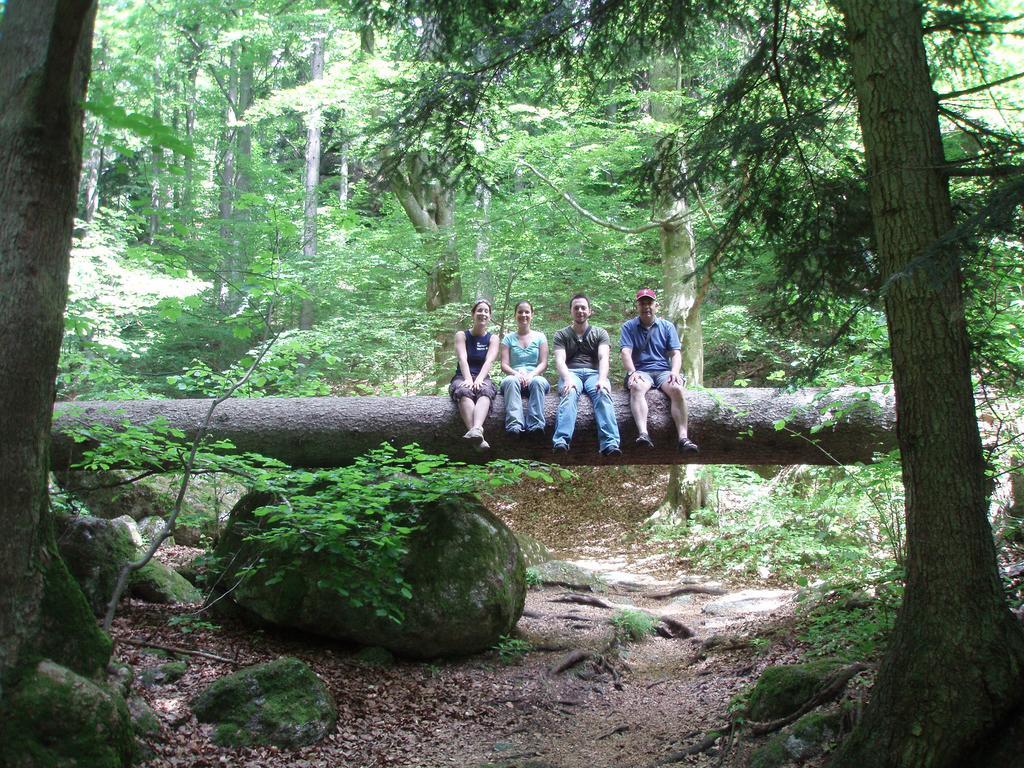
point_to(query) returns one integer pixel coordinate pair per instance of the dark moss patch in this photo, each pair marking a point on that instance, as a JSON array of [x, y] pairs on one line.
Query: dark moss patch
[[782, 690], [281, 703], [55, 717]]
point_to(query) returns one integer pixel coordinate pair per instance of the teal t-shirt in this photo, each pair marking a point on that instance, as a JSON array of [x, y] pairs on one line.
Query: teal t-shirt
[[524, 357]]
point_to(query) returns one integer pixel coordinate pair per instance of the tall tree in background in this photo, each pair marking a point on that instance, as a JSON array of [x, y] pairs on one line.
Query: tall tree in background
[[953, 678], [45, 47], [311, 177]]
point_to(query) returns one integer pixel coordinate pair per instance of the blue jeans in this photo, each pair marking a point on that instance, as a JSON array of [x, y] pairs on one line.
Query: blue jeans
[[513, 394], [604, 412]]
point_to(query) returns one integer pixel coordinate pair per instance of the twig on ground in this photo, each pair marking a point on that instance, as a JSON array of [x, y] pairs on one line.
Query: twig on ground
[[175, 649], [617, 729], [701, 746]]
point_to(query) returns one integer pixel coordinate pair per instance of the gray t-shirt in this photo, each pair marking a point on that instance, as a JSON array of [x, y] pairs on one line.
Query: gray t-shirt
[[581, 351]]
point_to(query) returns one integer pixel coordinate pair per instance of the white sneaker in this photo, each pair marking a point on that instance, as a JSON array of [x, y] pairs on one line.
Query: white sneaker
[[475, 433], [483, 445]]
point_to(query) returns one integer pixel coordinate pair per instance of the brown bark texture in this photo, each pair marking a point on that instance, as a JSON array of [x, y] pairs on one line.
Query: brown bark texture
[[44, 54], [732, 426], [954, 673]]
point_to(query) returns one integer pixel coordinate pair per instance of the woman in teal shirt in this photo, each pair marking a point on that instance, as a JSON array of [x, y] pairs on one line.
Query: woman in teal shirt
[[524, 357]]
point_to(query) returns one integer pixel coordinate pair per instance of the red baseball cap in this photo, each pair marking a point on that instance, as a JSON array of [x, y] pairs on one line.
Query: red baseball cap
[[646, 293]]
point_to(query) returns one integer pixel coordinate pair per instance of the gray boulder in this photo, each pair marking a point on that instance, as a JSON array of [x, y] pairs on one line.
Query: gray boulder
[[281, 703], [463, 566]]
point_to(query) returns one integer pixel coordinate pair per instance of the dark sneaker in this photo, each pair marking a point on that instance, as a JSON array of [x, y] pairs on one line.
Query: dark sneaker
[[644, 440], [515, 431], [686, 445], [560, 448], [612, 452]]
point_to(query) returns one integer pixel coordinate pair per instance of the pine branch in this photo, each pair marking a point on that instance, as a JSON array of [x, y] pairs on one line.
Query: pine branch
[[979, 88]]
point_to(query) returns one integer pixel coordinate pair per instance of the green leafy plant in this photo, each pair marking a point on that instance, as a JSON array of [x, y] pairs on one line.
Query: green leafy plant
[[632, 625], [533, 577], [189, 623], [511, 649], [853, 623]]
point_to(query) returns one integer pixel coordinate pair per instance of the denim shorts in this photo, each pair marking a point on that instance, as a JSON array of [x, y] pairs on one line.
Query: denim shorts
[[655, 378]]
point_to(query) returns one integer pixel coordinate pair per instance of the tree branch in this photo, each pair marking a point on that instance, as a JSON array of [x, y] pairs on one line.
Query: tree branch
[[168, 529], [597, 219], [977, 88]]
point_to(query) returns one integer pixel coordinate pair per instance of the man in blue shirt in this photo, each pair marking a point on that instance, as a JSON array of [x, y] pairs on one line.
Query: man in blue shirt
[[651, 356]]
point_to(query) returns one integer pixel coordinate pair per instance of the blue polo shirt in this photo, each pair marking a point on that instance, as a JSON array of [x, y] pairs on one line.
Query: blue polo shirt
[[651, 347]]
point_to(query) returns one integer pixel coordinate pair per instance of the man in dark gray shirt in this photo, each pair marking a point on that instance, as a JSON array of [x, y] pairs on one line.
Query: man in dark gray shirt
[[581, 358]]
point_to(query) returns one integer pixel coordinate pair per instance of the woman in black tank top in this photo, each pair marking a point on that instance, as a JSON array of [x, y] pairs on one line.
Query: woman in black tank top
[[471, 387]]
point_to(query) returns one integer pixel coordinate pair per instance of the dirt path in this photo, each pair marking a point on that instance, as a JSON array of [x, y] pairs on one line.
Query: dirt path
[[623, 705]]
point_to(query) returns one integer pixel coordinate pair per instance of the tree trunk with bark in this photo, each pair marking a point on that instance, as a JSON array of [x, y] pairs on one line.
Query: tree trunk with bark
[[429, 202], [44, 64], [732, 426], [953, 679]]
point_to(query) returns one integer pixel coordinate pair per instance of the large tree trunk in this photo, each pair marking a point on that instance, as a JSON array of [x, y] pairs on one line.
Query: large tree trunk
[[733, 426], [429, 202], [936, 708], [44, 64]]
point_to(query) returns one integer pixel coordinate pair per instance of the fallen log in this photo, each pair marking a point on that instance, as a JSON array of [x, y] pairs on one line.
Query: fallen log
[[731, 426]]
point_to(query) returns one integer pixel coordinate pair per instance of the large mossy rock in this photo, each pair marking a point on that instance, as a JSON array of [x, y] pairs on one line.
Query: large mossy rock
[[281, 703], [463, 567], [782, 690], [57, 718], [156, 583], [95, 550]]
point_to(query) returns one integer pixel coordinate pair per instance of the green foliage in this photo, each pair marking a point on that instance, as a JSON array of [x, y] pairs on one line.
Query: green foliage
[[810, 522], [853, 623], [632, 625], [188, 623], [512, 649], [533, 577], [360, 514]]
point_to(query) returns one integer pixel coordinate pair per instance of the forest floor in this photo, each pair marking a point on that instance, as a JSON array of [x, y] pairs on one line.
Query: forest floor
[[623, 705]]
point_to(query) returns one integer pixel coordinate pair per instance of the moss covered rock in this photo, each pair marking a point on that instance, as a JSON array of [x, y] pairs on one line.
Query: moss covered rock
[[463, 567], [156, 583], [782, 690], [806, 738], [95, 550], [282, 703], [54, 717]]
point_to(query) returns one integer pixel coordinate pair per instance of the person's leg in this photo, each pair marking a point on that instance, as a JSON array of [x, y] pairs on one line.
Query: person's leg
[[565, 417], [538, 391], [677, 405], [604, 415], [466, 407], [480, 410], [513, 395], [639, 386]]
